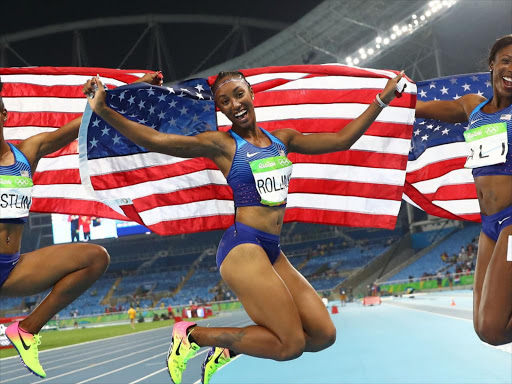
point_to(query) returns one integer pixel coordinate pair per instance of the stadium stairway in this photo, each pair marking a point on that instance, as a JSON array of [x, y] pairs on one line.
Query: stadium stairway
[[395, 255], [192, 269], [111, 291], [413, 259]]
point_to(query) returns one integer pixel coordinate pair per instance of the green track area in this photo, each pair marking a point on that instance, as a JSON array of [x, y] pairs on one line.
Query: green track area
[[54, 339]]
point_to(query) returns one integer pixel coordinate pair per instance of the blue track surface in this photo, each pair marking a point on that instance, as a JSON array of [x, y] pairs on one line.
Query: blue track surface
[[409, 340]]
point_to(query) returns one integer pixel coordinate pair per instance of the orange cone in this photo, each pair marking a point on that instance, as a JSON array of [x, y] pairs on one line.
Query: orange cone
[[453, 303], [334, 309]]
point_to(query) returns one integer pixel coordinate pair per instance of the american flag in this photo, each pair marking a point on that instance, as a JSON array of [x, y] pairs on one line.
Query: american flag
[[360, 187], [42, 99], [437, 181]]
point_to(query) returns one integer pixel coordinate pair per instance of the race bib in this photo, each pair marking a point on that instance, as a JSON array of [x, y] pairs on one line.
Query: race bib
[[272, 177], [15, 196], [488, 145]]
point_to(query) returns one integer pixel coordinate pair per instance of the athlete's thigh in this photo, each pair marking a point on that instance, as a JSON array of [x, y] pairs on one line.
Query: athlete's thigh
[[265, 297], [41, 269], [485, 250], [496, 295], [313, 313]]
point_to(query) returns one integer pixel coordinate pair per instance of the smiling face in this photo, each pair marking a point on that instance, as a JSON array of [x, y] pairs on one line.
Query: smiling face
[[501, 68], [234, 98]]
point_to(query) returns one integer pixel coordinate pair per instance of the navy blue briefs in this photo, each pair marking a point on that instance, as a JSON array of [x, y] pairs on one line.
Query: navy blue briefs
[[243, 234], [492, 225], [7, 264]]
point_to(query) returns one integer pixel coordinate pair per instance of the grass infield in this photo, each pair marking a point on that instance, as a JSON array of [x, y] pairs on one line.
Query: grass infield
[[54, 339]]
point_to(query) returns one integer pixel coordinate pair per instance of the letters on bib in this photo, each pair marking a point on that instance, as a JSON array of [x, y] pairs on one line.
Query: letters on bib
[[15, 196], [272, 177], [488, 145]]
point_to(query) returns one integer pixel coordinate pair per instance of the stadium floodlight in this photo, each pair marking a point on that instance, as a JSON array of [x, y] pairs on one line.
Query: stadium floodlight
[[423, 16]]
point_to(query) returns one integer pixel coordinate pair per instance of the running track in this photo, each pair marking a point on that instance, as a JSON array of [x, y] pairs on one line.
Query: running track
[[410, 340]]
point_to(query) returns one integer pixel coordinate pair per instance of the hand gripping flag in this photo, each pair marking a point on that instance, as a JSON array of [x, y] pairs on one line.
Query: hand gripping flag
[[360, 187], [437, 181]]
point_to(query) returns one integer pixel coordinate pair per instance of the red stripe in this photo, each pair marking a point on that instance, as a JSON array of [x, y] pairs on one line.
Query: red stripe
[[346, 219], [356, 158], [453, 192], [74, 207], [434, 170], [401, 131], [40, 119], [311, 70], [432, 209], [160, 172], [326, 96], [64, 176], [124, 75], [35, 90], [185, 196], [346, 188]]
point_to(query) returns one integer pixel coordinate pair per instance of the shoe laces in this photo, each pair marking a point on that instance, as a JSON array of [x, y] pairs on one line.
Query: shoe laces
[[36, 341]]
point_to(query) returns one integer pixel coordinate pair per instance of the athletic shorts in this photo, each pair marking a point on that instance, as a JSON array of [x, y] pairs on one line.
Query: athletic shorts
[[243, 234], [7, 264], [492, 225]]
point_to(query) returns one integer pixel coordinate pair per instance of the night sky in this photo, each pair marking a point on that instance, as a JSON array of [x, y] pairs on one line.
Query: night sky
[[188, 44]]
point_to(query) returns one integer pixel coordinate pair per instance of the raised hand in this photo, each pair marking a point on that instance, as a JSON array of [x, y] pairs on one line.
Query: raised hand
[[95, 91], [154, 78], [389, 92]]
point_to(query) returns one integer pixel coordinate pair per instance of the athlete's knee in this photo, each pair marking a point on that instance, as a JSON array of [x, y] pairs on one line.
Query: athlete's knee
[[492, 332], [292, 348], [327, 337], [98, 256]]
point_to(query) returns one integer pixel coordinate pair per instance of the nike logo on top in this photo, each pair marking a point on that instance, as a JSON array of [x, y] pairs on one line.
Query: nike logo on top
[[216, 361], [501, 221], [25, 346], [251, 154], [178, 349], [474, 121]]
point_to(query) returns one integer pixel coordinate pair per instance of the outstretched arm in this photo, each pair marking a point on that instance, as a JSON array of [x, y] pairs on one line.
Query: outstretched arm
[[207, 144], [319, 143], [450, 111]]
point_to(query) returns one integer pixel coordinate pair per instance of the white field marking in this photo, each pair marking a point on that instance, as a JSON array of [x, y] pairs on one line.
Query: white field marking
[[157, 372], [91, 365], [120, 369], [434, 313], [128, 346], [229, 362], [89, 342]]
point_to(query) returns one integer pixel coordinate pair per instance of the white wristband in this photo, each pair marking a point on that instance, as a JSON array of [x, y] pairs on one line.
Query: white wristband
[[379, 102]]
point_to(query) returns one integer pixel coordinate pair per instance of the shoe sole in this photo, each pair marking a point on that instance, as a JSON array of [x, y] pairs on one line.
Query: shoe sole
[[21, 359]]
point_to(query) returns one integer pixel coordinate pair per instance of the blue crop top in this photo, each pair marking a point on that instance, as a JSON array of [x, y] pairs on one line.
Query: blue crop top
[[21, 167], [479, 118], [240, 177]]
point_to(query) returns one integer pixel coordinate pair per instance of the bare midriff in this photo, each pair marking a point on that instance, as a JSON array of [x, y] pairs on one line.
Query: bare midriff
[[494, 193]]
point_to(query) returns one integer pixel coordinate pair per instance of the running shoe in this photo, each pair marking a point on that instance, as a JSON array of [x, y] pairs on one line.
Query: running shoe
[[181, 350], [26, 345], [216, 358]]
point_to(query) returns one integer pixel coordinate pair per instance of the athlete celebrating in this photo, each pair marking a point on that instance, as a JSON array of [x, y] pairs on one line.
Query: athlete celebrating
[[289, 315], [489, 138], [69, 268]]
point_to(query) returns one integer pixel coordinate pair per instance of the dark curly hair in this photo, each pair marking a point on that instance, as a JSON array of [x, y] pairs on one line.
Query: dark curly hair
[[501, 43], [223, 74]]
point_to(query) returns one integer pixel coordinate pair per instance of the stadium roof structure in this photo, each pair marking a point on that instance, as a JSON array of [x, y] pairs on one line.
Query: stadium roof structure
[[431, 38]]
